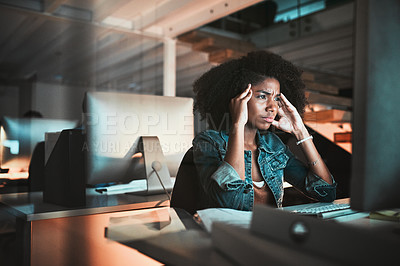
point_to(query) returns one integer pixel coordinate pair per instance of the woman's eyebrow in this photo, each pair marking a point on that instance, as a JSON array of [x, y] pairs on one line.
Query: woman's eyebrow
[[266, 92]]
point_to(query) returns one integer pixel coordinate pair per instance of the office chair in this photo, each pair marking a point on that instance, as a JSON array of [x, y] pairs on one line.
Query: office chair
[[184, 193]]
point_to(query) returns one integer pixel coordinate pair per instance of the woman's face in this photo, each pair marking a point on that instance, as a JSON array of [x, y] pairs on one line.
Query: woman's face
[[263, 105]]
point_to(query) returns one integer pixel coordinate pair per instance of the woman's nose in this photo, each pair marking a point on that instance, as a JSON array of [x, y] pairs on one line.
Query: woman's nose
[[272, 105]]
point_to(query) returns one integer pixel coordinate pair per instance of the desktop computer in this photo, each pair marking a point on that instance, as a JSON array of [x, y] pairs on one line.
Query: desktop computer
[[126, 138], [130, 136], [375, 177]]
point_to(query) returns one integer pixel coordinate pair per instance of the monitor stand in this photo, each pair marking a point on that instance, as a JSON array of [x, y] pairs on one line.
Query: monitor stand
[[148, 170], [155, 166]]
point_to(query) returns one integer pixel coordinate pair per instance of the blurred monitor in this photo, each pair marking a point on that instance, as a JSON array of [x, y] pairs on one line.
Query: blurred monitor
[[19, 136], [115, 123], [375, 179]]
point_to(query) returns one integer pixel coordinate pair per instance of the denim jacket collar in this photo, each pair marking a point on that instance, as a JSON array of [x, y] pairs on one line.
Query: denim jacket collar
[[263, 144]]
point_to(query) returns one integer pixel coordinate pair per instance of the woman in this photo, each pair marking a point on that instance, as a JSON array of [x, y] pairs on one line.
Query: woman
[[240, 161]]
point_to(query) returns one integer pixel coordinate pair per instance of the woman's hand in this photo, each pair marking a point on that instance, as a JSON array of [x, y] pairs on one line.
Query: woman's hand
[[239, 114], [290, 120], [238, 107]]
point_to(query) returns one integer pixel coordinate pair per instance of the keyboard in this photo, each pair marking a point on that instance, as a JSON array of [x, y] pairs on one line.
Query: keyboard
[[322, 209]]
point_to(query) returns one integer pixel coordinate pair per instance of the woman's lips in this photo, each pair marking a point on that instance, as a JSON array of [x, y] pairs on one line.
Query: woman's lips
[[268, 119]]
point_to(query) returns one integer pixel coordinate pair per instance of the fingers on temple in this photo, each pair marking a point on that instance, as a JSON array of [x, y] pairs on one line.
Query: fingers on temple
[[247, 92]]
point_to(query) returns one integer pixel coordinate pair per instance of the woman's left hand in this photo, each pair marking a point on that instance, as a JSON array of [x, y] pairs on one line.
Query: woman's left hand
[[290, 120]]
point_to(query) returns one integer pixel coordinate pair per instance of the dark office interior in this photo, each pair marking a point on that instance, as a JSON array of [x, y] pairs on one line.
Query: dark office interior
[[54, 52]]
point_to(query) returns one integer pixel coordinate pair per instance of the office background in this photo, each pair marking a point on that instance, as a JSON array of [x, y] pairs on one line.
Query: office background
[[54, 51]]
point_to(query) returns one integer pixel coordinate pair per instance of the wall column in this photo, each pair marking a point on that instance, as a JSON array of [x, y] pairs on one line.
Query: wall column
[[169, 85]]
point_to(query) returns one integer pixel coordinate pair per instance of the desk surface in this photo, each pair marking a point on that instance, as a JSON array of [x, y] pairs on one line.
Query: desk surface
[[196, 247], [29, 206], [80, 240], [170, 236]]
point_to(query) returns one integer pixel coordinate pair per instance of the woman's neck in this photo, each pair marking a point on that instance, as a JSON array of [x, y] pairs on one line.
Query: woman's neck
[[250, 138]]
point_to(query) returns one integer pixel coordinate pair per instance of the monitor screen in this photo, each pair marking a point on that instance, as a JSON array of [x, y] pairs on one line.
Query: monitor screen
[[375, 179], [19, 137], [114, 123]]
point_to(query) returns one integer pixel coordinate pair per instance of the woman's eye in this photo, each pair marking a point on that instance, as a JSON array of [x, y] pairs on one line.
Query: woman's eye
[[262, 96], [277, 98]]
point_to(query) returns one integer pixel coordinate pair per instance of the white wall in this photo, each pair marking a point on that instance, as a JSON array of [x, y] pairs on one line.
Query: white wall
[[58, 100]]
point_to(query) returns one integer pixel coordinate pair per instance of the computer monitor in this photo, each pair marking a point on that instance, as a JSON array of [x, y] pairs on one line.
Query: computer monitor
[[114, 125], [19, 136], [375, 179]]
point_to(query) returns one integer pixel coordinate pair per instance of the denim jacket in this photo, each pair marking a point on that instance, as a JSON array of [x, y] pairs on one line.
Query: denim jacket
[[221, 185]]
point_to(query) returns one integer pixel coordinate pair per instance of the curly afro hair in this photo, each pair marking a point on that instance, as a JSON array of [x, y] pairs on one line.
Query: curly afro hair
[[215, 88]]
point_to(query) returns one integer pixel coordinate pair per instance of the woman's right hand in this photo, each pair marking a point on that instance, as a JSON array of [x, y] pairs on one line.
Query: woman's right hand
[[238, 107], [239, 113]]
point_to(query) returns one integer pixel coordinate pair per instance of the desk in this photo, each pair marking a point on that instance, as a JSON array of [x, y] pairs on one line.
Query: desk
[[168, 242], [270, 238], [13, 183], [33, 217]]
